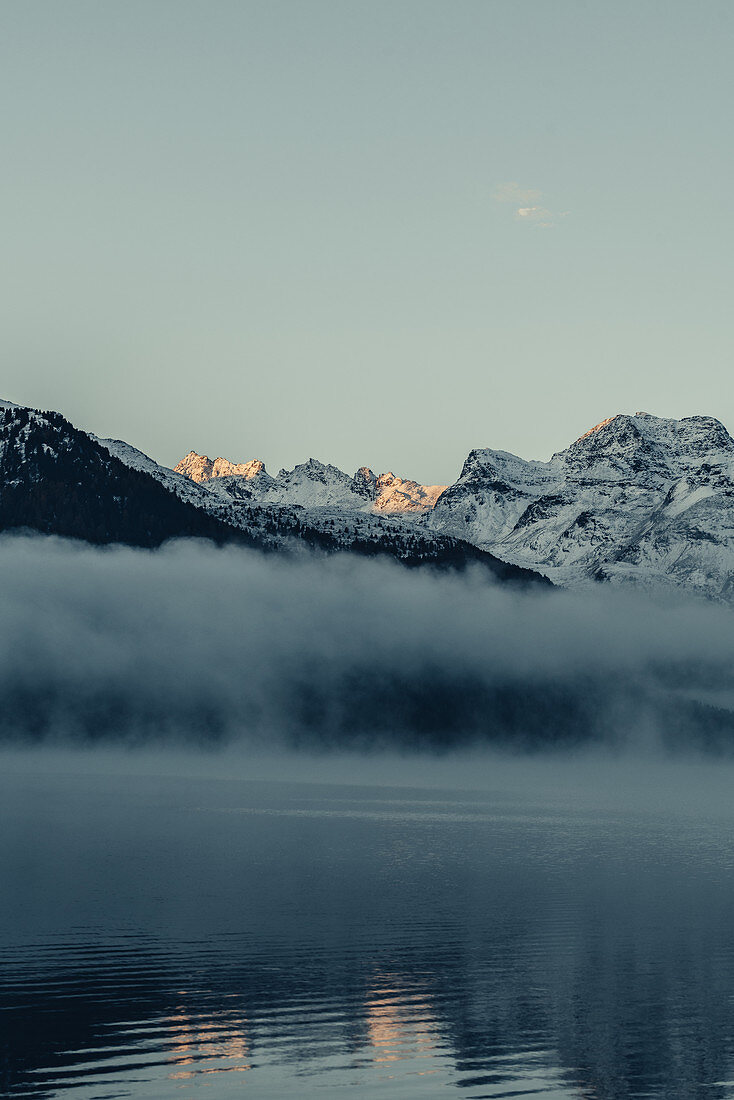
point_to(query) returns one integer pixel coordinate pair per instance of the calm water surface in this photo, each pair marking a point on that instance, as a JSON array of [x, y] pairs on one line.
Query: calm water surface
[[254, 939]]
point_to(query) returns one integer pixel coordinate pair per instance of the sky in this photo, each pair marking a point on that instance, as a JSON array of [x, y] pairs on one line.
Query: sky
[[373, 232]]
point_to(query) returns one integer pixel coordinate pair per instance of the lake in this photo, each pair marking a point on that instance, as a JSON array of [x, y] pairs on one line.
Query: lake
[[168, 935]]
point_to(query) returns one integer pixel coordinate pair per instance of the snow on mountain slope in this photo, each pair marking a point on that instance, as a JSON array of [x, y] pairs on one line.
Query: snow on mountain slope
[[396, 495], [311, 484], [314, 484], [182, 486], [637, 499], [247, 500], [18, 441], [330, 524]]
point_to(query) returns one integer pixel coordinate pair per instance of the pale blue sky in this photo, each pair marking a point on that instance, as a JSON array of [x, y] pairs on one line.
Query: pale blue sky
[[271, 229]]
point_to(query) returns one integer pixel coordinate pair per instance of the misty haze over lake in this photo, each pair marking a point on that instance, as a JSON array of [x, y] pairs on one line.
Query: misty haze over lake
[[310, 826], [194, 644]]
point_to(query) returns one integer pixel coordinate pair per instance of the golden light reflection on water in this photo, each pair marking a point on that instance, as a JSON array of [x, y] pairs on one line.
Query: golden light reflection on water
[[400, 1023], [200, 1039]]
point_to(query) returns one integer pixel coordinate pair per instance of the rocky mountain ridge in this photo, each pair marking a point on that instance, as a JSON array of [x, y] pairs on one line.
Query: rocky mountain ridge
[[637, 499], [58, 480], [312, 484], [202, 468]]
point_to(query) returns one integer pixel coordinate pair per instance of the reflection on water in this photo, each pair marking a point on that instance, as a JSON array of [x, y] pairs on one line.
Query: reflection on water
[[271, 940], [399, 1022]]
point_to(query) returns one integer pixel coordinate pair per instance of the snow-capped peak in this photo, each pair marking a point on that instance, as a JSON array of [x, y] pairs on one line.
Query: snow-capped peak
[[637, 497], [648, 444]]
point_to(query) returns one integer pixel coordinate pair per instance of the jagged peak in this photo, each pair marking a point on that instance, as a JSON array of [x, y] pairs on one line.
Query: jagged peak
[[202, 468], [364, 483], [315, 467], [222, 467]]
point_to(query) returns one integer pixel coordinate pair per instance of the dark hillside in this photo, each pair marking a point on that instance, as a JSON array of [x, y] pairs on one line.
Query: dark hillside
[[56, 480]]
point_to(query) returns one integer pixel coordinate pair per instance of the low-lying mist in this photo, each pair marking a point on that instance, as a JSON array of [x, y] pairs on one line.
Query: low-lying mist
[[196, 645]]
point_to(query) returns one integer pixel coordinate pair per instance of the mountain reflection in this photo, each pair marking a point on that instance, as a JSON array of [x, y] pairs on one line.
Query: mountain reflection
[[496, 952]]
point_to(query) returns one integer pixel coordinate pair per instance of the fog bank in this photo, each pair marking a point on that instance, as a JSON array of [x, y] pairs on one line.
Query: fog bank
[[204, 646]]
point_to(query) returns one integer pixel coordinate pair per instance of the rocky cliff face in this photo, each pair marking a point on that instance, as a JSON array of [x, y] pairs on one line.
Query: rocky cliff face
[[638, 499], [202, 468]]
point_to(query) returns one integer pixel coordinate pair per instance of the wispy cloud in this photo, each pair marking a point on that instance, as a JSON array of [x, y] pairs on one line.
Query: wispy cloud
[[536, 215], [526, 201], [514, 193]]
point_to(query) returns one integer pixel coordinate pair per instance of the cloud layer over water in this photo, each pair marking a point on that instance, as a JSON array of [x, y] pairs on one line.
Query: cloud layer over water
[[205, 645]]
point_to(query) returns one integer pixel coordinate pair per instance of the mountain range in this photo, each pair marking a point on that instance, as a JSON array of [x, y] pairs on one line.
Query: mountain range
[[58, 480], [636, 500]]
